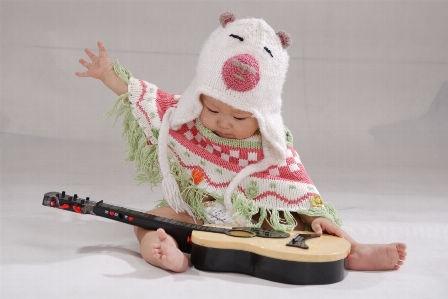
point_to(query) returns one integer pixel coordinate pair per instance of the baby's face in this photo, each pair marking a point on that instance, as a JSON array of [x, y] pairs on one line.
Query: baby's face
[[226, 121]]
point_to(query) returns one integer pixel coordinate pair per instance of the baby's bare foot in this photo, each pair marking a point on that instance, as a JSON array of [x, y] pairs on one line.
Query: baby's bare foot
[[375, 257], [167, 253]]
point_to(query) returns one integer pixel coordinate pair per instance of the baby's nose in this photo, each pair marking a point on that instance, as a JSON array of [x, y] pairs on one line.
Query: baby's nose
[[224, 123]]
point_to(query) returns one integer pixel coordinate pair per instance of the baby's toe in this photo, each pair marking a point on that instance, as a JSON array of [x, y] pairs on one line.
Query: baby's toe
[[401, 247]]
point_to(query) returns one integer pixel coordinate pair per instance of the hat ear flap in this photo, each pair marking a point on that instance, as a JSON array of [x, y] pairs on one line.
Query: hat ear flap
[[226, 18], [285, 38]]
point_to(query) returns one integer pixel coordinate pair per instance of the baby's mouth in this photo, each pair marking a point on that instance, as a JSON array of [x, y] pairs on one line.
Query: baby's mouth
[[224, 135]]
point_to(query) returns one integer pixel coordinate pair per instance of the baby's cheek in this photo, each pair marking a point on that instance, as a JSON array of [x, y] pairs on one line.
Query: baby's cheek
[[202, 118], [242, 131], [205, 121]]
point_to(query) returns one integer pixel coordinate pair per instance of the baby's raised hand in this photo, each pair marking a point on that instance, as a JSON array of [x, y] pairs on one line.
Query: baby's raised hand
[[99, 66]]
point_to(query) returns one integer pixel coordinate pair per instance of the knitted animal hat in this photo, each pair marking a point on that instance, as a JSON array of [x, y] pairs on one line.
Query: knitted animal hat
[[243, 64]]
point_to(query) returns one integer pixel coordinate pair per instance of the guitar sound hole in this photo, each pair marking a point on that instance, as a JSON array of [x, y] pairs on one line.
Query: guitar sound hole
[[241, 233]]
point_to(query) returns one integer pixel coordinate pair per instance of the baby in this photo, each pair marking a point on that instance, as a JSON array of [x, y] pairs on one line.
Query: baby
[[220, 150]]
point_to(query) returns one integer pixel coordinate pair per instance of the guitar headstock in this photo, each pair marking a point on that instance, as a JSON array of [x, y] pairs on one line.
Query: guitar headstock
[[72, 203]]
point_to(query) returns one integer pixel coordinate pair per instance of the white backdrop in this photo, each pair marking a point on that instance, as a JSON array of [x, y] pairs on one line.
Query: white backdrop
[[366, 98]]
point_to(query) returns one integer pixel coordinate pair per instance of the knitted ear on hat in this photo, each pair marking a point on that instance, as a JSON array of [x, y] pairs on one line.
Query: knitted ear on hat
[[226, 18], [285, 38]]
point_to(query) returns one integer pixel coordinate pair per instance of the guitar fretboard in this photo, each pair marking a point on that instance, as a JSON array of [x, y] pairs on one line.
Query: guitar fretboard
[[153, 218], [140, 218]]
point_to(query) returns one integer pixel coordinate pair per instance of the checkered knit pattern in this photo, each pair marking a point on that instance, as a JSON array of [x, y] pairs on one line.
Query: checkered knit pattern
[[215, 161]]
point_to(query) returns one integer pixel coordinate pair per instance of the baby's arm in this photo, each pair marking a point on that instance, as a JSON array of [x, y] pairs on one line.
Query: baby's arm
[[101, 68]]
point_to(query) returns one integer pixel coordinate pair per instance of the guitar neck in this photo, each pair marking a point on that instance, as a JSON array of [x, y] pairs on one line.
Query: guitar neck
[[145, 220], [180, 231]]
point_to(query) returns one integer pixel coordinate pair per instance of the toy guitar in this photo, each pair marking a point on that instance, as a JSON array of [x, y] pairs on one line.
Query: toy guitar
[[254, 251]]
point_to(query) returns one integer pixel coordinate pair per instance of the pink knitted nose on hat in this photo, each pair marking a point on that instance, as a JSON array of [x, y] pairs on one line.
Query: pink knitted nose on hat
[[241, 72]]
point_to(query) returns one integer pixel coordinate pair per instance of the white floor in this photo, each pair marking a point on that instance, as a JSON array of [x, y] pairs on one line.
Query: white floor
[[366, 99]]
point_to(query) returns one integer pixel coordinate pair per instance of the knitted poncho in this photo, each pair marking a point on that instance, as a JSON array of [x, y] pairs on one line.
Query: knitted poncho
[[204, 164], [243, 64]]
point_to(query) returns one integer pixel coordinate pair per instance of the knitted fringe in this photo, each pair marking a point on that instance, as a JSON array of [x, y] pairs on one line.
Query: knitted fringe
[[243, 209], [326, 211], [161, 203], [144, 155], [286, 224], [246, 209], [121, 72], [194, 196]]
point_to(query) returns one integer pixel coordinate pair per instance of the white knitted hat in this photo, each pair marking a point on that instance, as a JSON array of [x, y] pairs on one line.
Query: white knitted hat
[[243, 64]]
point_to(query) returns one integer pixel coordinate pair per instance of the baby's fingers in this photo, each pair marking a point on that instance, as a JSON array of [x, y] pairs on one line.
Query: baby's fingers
[[84, 63], [87, 65], [316, 227], [83, 74], [90, 54], [156, 246], [101, 48], [338, 233], [334, 230]]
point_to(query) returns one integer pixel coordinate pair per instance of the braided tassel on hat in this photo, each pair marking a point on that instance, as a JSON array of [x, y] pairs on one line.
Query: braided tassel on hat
[[170, 187]]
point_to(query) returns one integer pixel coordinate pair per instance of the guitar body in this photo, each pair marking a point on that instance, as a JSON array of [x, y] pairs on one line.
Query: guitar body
[[271, 259], [299, 258]]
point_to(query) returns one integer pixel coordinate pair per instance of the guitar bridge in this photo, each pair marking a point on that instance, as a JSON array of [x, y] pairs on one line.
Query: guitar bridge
[[299, 240]]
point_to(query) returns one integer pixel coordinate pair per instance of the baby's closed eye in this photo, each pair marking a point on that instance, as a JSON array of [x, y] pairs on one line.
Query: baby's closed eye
[[212, 111]]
